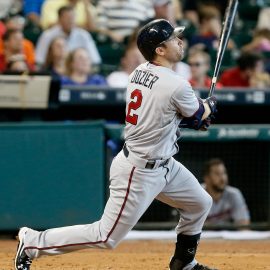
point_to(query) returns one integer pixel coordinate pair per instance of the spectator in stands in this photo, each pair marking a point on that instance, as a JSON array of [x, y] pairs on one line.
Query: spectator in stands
[[229, 205], [191, 8], [247, 73], [85, 13], [263, 19], [199, 62], [163, 9], [177, 7], [13, 45], [2, 29], [131, 59], [260, 81], [32, 10], [17, 64], [9, 7], [13, 24], [263, 24], [260, 41], [209, 28], [75, 37], [78, 70], [56, 57], [114, 22], [16, 22]]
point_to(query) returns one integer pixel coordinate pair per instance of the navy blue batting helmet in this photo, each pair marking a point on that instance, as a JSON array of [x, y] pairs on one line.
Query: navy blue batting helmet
[[154, 34]]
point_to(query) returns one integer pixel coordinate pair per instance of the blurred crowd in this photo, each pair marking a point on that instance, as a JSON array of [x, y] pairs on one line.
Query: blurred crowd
[[88, 42]]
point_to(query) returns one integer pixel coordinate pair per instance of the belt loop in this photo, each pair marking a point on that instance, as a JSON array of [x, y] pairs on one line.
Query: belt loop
[[156, 165]]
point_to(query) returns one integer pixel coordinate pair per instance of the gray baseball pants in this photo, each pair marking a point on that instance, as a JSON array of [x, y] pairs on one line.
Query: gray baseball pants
[[132, 190]]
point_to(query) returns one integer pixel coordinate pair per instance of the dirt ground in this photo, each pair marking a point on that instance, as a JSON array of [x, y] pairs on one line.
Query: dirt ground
[[150, 255]]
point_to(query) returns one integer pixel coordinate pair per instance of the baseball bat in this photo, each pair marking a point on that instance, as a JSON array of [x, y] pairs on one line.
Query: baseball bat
[[224, 38]]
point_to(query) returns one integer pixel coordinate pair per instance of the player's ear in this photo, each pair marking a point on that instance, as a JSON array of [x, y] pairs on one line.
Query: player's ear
[[160, 51]]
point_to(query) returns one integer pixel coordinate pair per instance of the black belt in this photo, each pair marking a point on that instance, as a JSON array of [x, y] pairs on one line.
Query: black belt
[[149, 164]]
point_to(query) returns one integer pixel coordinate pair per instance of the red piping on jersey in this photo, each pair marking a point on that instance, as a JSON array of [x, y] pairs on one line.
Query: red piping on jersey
[[111, 231]]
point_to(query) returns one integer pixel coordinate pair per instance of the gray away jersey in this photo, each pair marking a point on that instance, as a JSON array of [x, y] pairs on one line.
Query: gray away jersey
[[157, 99], [230, 208]]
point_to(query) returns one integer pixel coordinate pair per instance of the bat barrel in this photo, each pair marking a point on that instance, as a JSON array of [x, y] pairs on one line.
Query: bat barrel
[[225, 34]]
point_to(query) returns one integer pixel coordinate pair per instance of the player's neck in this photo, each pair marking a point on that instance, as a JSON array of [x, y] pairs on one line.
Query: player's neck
[[162, 62]]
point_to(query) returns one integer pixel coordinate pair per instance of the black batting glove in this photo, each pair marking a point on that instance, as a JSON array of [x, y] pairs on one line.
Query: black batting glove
[[212, 102], [206, 123]]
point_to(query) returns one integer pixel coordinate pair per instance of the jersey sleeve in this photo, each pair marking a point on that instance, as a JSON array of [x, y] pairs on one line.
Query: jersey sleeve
[[240, 210], [185, 100]]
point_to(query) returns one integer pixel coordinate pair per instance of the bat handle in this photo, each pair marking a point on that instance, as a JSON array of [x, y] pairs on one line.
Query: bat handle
[[213, 86]]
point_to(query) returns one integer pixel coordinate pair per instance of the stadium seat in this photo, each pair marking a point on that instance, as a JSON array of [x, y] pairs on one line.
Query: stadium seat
[[228, 59], [190, 29], [248, 11], [106, 69], [111, 53], [241, 39]]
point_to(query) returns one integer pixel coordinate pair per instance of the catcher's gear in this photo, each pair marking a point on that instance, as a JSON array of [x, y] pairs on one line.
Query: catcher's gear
[[154, 34]]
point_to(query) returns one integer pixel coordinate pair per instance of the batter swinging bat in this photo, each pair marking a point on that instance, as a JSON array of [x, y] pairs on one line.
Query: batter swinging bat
[[225, 34]]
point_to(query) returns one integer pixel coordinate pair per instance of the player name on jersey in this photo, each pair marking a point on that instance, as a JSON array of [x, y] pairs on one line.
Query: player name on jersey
[[144, 78]]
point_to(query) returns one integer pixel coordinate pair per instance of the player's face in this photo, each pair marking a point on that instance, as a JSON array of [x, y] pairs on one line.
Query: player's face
[[218, 178], [174, 51]]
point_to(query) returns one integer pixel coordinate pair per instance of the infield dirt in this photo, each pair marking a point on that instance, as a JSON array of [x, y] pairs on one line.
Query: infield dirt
[[150, 255]]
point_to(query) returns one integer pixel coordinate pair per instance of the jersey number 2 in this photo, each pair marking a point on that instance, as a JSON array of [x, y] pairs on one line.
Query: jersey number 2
[[134, 105]]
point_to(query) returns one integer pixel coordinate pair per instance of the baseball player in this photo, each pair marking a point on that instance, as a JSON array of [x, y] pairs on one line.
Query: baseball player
[[229, 205], [158, 101]]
